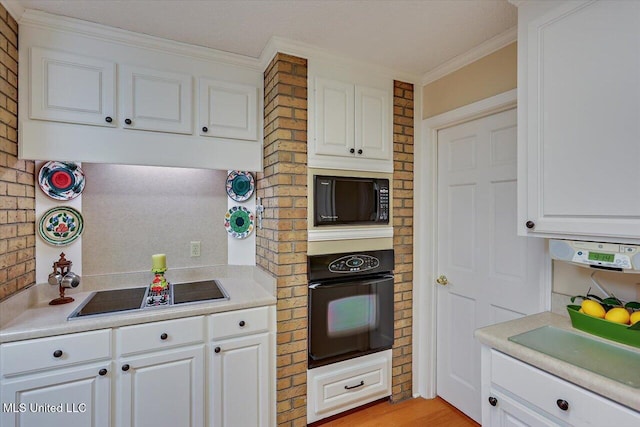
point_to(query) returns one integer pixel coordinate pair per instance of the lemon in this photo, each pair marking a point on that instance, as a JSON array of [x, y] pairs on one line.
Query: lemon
[[618, 315], [635, 317], [593, 308]]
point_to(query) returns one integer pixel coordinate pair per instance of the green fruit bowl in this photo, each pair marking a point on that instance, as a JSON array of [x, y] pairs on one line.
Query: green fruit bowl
[[603, 328]]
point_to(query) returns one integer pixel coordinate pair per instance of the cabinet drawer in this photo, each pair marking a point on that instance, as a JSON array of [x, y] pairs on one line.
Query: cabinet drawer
[[54, 352], [240, 322], [545, 391], [348, 384], [159, 335]]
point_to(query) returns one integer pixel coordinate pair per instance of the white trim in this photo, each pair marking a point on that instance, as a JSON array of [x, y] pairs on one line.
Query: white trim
[[14, 8], [349, 233], [480, 51], [278, 44], [49, 21], [425, 234]]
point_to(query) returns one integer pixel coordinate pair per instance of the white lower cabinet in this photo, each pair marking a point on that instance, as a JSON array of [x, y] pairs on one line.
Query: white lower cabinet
[[240, 368], [164, 388], [215, 370], [57, 381], [341, 386], [518, 394], [240, 382]]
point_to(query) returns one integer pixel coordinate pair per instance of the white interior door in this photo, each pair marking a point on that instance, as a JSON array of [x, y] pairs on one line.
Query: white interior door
[[492, 275]]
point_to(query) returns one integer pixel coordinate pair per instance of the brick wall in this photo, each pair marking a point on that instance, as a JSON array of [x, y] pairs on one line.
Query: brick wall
[[282, 243], [17, 191], [403, 236]]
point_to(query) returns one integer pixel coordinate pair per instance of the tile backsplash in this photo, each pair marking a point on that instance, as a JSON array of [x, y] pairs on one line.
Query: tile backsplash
[[132, 212]]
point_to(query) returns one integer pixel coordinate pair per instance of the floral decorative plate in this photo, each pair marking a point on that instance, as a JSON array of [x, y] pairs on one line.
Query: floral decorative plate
[[61, 180], [239, 222], [240, 185], [60, 226]]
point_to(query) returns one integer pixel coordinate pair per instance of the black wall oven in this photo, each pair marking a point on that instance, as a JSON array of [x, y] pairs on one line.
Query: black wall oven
[[350, 305]]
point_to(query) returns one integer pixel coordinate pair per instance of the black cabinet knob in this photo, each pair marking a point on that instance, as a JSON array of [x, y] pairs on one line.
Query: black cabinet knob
[[205, 129], [353, 150], [125, 367], [493, 401], [530, 224], [102, 372], [241, 323], [217, 349], [164, 336], [57, 353], [127, 121], [562, 404], [108, 119], [359, 151]]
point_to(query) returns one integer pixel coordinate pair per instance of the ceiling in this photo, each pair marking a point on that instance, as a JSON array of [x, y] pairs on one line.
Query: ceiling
[[414, 36]]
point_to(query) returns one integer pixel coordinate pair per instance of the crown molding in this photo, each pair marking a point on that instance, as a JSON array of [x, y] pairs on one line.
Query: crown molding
[[62, 23], [480, 51], [14, 8], [277, 44]]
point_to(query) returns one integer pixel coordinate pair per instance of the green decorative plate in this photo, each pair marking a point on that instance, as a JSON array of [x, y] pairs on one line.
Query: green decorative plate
[[239, 222], [60, 226]]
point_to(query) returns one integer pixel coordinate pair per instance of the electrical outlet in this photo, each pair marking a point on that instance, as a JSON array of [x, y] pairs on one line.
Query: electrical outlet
[[195, 249]]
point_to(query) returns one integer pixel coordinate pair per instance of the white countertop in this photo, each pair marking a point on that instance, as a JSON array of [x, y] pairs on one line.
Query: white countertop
[[496, 336], [26, 317]]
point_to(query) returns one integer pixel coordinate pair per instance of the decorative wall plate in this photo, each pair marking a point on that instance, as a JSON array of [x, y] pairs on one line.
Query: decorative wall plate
[[239, 222], [61, 180], [240, 185], [61, 225]]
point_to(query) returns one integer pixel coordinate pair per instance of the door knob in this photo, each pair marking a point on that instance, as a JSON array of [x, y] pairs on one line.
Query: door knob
[[442, 280]]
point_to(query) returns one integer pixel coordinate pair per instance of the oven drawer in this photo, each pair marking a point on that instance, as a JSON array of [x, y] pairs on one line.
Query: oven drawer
[[340, 386]]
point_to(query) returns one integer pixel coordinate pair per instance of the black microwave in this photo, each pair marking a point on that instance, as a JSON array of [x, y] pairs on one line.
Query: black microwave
[[339, 200]]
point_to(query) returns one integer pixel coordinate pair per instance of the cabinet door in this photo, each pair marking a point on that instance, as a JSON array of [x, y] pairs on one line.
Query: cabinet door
[[372, 131], [579, 84], [334, 109], [76, 397], [228, 110], [156, 100], [161, 389], [240, 382], [509, 413], [71, 88]]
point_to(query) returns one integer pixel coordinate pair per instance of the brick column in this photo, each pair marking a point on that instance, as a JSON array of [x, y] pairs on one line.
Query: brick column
[[17, 182], [403, 237], [282, 243]]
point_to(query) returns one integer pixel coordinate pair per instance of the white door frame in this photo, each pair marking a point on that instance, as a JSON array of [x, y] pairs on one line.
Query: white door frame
[[425, 236]]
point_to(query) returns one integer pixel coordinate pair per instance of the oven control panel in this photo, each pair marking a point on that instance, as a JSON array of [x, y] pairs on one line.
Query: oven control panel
[[354, 263]]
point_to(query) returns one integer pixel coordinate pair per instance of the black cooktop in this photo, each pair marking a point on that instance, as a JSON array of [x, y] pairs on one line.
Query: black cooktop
[[112, 301], [120, 300], [197, 291]]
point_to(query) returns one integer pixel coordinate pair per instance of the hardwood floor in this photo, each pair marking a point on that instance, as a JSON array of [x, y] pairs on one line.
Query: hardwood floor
[[414, 412]]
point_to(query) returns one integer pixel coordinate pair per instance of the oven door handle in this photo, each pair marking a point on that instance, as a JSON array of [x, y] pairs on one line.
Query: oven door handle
[[321, 285]]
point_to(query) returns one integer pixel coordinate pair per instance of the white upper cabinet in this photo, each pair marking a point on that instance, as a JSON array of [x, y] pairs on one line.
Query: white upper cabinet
[[156, 100], [71, 88], [83, 88], [579, 119], [350, 119], [228, 110]]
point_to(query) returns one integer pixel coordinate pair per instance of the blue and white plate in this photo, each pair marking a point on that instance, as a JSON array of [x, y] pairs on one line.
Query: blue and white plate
[[61, 180], [240, 185]]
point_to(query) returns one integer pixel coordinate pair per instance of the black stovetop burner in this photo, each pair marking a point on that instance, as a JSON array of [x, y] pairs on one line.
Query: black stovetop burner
[[121, 300]]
